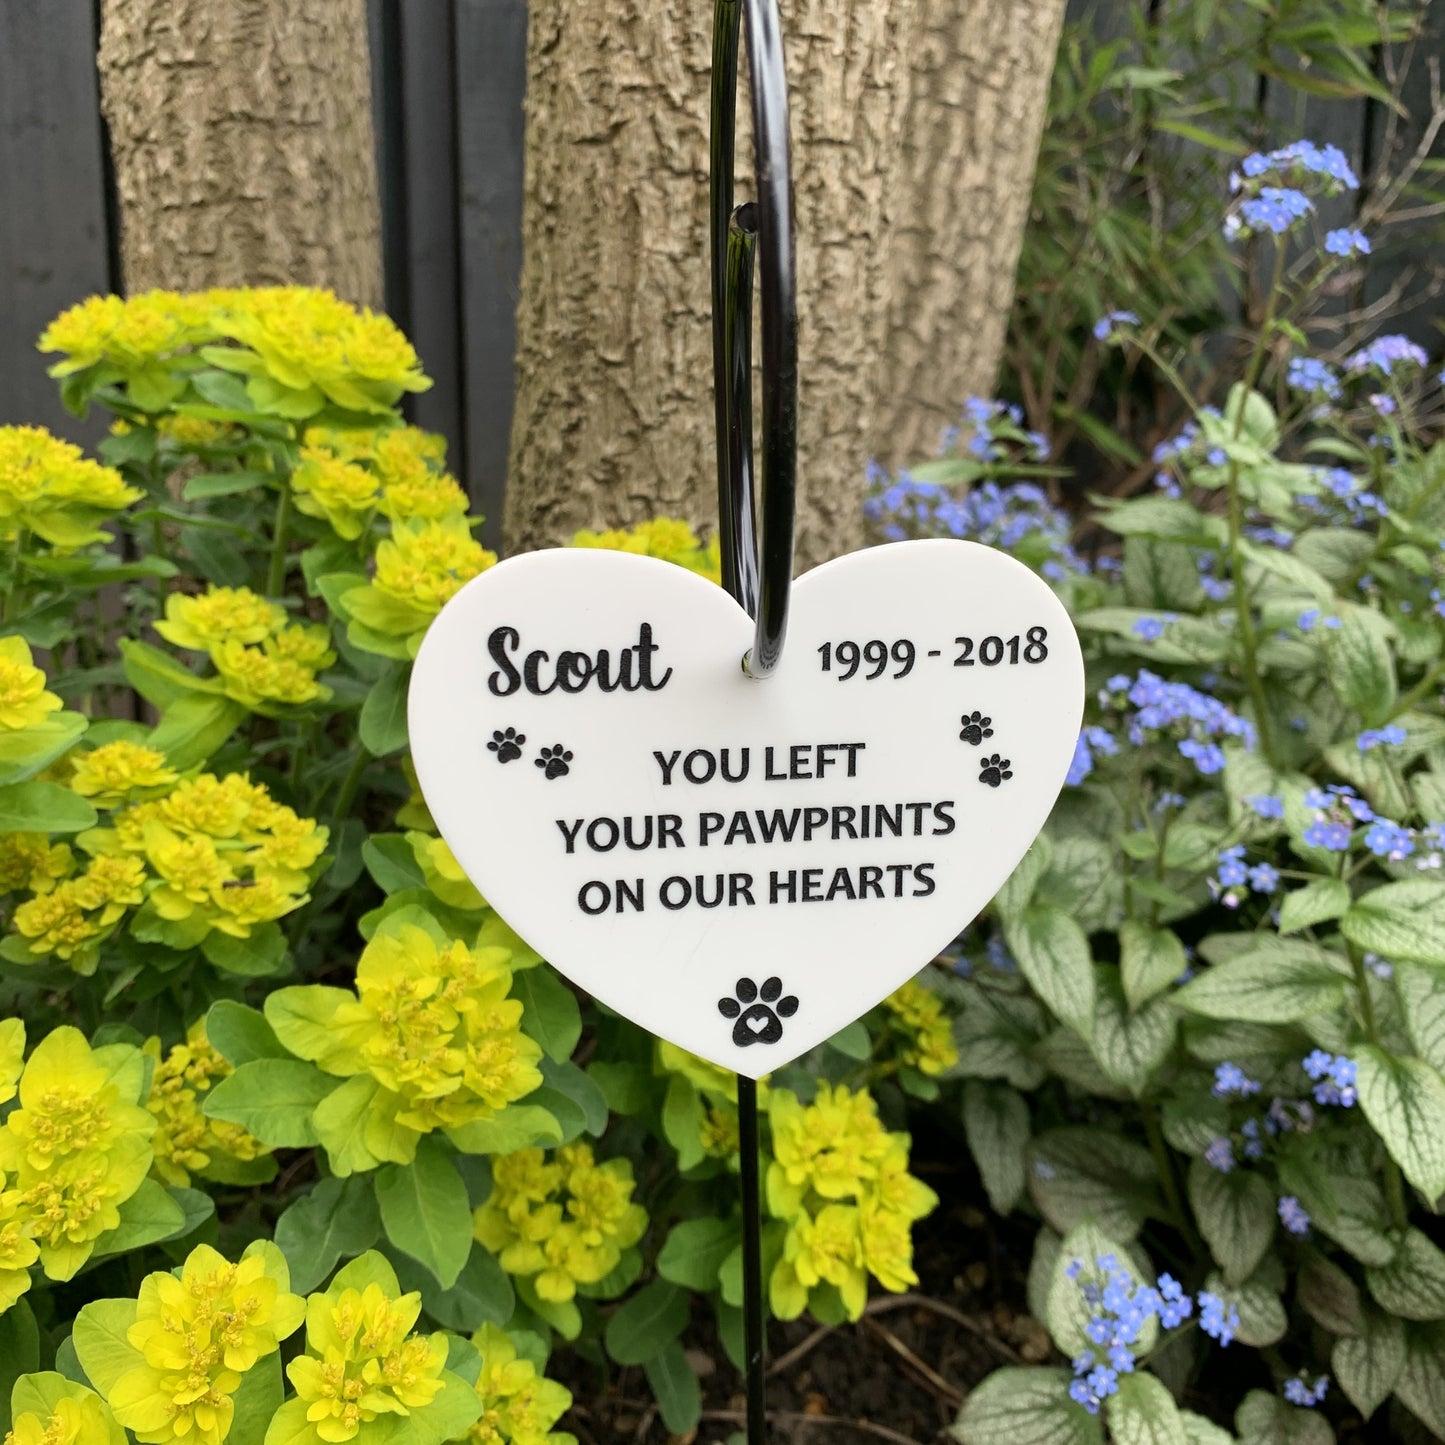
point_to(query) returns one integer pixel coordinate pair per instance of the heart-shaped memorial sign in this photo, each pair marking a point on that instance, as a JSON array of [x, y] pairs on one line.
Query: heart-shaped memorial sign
[[744, 867]]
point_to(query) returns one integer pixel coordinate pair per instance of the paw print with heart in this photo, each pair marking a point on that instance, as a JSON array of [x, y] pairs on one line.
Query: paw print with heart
[[976, 727], [507, 744], [759, 1012]]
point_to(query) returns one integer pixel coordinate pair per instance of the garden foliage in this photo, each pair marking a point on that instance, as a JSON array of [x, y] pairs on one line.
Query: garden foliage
[[299, 1142]]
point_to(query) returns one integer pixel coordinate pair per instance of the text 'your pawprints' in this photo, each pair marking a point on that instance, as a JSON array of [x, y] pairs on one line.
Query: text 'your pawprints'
[[736, 830]]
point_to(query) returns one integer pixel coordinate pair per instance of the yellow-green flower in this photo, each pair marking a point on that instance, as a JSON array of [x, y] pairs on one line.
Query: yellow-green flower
[[833, 1146], [329, 486], [196, 1337], [217, 616], [130, 333], [825, 1249], [362, 1362], [115, 772], [49, 488], [32, 862], [667, 538], [519, 1404], [70, 1415], [443, 874], [563, 1223], [18, 1251], [186, 1141], [24, 700], [55, 922], [919, 1013], [419, 569]]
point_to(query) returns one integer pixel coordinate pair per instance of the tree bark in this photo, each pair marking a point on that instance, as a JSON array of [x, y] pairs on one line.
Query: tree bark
[[242, 142], [910, 195]]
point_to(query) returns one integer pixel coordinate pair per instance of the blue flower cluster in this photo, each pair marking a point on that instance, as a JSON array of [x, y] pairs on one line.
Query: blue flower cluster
[[1301, 161], [1384, 353], [1122, 1308], [1347, 242], [1267, 805], [1300, 1392], [1309, 619], [1093, 742], [1392, 735], [1313, 377], [1333, 1076], [1194, 719], [1338, 811], [1107, 325], [1231, 1082], [1229, 885], [1293, 1216], [1277, 207], [1360, 504]]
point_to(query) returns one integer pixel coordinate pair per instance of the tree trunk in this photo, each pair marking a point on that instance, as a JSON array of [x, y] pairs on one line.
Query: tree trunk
[[980, 88], [242, 142], [613, 419]]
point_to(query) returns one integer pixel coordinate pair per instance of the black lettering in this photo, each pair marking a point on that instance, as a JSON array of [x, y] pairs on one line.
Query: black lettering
[[691, 774], [637, 843], [570, 834], [632, 894], [917, 810], [740, 827], [602, 671], [923, 873], [942, 813], [727, 776], [798, 761], [702, 899], [842, 883], [843, 821], [707, 825], [768, 772], [870, 881], [777, 824], [883, 818], [529, 674], [777, 882], [812, 885], [897, 870], [602, 834], [668, 892], [813, 819], [669, 829], [740, 888], [667, 765], [579, 665], [497, 644], [853, 750], [645, 649], [585, 894]]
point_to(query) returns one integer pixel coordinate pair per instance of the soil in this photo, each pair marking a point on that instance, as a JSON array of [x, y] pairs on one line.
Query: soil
[[898, 1375]]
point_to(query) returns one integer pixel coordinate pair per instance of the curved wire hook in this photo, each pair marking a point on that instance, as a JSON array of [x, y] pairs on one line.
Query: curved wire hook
[[758, 572]]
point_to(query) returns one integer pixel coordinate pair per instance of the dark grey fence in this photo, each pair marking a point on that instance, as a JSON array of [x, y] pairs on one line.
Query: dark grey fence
[[448, 80]]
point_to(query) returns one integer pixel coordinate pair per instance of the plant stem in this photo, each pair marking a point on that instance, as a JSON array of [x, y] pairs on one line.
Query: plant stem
[[1394, 1183], [346, 794], [1168, 1179], [276, 576]]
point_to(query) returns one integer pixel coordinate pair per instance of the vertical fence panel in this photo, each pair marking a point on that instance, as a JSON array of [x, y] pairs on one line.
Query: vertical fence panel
[[491, 51], [54, 247]]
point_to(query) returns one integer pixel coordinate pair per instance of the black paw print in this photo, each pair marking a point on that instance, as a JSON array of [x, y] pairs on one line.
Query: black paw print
[[994, 770], [507, 744], [758, 1023], [976, 727], [554, 762]]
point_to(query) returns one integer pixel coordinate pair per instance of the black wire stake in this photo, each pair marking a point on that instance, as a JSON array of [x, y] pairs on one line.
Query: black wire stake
[[757, 571]]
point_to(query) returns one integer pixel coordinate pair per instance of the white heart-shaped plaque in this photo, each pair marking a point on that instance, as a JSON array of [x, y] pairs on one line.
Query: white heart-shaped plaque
[[741, 866]]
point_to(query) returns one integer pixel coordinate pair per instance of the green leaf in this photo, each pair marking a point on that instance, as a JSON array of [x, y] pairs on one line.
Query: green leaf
[[1422, 996], [1018, 888], [337, 1219], [1367, 1367], [568, 1089], [1265, 1419], [262, 955], [149, 1215], [1421, 1386], [1360, 666], [1081, 1174], [223, 484], [996, 1125], [383, 715], [674, 1383], [100, 1341], [1068, 1310], [43, 808], [1281, 982], [158, 677], [550, 1014], [654, 1316], [1199, 1431], [482, 1293], [391, 862], [1150, 959], [19, 1352], [1318, 901], [1412, 1285], [425, 1212], [274, 1099], [518, 1126], [1236, 1215], [1329, 1296], [194, 726], [1143, 1412], [1262, 1318], [1130, 1046], [257, 1399], [1404, 1100], [1400, 921], [1025, 1407], [1053, 955], [448, 1417], [25, 753], [854, 1041], [241, 1035], [694, 1251]]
